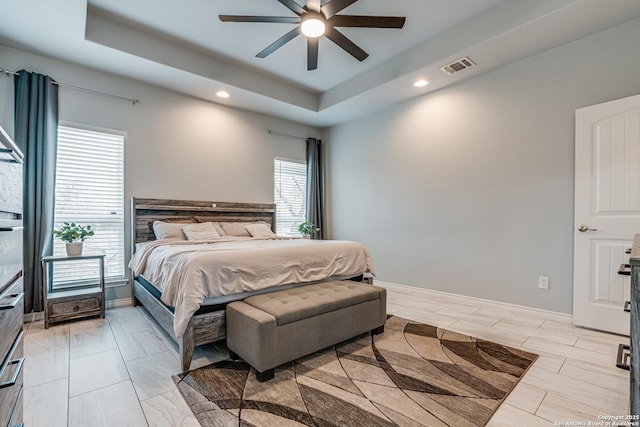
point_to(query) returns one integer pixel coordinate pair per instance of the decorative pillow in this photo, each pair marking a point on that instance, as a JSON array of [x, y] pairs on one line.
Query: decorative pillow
[[235, 229], [170, 230], [218, 228], [202, 231], [259, 230]]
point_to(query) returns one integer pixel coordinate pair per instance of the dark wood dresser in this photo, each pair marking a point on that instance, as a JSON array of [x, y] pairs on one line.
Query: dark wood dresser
[[634, 311], [11, 287], [11, 353]]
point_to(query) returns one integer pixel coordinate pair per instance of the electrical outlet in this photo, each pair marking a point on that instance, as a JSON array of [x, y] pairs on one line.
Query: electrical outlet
[[543, 282]]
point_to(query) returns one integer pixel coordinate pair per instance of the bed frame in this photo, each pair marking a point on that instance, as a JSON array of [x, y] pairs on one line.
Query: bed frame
[[208, 324]]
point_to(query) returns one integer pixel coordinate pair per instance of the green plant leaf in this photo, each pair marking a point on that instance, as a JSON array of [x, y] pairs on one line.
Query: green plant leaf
[[72, 232]]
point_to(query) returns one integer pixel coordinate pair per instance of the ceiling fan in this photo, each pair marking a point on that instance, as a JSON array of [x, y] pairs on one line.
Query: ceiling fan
[[318, 18]]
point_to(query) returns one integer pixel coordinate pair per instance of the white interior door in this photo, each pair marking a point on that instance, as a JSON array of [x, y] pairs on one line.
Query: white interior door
[[607, 210]]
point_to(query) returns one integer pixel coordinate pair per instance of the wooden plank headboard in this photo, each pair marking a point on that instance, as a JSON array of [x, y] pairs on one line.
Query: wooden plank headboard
[[145, 211]]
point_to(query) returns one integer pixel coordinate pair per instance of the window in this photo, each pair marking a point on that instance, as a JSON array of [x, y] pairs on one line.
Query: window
[[290, 194], [90, 191]]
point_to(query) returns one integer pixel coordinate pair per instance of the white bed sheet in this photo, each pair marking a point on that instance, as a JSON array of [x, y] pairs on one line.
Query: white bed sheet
[[189, 272]]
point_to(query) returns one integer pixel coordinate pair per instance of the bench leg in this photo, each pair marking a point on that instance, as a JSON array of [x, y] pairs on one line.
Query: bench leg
[[378, 330], [266, 375], [233, 356]]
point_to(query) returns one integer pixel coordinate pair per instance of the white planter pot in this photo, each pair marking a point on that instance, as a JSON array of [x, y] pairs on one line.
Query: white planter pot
[[74, 249]]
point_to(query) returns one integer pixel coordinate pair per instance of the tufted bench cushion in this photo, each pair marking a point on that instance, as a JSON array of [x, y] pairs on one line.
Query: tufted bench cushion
[[300, 303], [270, 329]]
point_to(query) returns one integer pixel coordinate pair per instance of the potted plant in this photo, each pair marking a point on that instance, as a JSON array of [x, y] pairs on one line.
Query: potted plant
[[73, 235], [307, 228]]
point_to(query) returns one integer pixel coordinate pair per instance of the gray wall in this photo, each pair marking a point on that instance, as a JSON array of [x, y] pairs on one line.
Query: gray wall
[[177, 146], [469, 190]]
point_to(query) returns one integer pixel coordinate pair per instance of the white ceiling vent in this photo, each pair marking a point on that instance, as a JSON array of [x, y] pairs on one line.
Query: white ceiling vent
[[459, 65]]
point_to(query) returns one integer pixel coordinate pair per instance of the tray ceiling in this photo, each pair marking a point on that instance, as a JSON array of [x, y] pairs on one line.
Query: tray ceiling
[[185, 47]]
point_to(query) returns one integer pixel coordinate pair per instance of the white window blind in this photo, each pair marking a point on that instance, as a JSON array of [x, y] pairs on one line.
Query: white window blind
[[290, 194], [90, 191]]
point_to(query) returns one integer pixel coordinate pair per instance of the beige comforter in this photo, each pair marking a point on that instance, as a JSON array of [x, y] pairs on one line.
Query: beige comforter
[[188, 272]]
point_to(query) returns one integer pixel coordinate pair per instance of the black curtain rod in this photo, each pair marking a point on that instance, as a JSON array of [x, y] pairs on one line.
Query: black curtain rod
[[83, 89], [287, 134]]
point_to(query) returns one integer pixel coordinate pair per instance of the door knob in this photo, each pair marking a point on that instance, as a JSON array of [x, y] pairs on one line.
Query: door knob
[[584, 228]]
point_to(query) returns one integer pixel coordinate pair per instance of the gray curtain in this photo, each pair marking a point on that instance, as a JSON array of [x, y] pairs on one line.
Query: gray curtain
[[315, 186], [36, 133]]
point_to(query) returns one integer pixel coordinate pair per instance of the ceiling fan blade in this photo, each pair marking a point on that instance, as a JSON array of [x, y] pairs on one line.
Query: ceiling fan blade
[[279, 43], [367, 21], [293, 6], [313, 5], [335, 6], [341, 40], [312, 52], [270, 19]]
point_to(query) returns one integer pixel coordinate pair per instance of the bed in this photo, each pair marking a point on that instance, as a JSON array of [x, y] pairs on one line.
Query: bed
[[185, 285]]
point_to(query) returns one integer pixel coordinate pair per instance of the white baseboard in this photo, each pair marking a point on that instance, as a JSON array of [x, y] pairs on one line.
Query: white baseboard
[[493, 303], [115, 303], [32, 317], [124, 302]]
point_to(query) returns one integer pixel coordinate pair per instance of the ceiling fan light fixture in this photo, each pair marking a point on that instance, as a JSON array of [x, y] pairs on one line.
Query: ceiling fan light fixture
[[313, 25]]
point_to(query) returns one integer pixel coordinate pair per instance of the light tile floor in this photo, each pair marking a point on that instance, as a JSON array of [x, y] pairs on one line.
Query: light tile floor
[[117, 371]]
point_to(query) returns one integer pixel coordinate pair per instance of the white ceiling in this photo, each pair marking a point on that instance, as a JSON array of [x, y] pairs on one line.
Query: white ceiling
[[184, 46]]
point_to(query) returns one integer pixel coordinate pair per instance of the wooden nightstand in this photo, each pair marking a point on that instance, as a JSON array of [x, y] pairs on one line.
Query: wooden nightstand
[[75, 302]]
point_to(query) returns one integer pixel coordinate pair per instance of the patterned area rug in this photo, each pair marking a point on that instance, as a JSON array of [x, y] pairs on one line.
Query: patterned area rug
[[411, 375]]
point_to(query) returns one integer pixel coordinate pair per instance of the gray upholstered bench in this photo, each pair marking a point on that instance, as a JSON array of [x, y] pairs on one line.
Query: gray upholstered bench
[[270, 329]]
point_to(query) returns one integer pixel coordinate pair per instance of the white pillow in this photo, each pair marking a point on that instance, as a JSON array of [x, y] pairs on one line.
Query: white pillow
[[218, 228], [235, 229], [169, 230], [259, 230], [203, 231]]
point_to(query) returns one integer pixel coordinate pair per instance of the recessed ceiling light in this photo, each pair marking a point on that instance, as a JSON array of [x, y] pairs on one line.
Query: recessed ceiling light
[[421, 83], [222, 94]]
